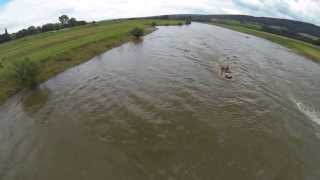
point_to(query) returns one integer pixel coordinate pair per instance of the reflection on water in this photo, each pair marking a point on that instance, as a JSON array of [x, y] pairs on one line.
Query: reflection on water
[[138, 41], [35, 100], [158, 109]]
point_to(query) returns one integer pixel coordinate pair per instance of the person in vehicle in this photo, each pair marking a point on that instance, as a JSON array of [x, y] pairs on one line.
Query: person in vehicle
[[225, 71]]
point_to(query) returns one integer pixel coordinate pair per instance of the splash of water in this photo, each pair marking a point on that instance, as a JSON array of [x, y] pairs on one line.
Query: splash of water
[[309, 111]]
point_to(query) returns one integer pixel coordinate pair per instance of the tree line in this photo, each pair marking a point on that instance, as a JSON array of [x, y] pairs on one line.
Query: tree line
[[5, 37], [64, 22]]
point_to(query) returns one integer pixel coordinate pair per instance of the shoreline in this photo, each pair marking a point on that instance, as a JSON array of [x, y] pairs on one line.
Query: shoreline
[[60, 62], [307, 50]]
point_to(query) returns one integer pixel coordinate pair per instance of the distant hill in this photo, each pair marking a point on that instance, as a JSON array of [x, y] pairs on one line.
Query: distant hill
[[290, 28]]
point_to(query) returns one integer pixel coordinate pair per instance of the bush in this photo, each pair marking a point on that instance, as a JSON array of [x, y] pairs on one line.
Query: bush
[[153, 24], [180, 23], [26, 72], [188, 21], [137, 32], [317, 42]]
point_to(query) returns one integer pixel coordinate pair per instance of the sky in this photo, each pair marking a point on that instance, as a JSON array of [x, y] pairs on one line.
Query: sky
[[18, 14]]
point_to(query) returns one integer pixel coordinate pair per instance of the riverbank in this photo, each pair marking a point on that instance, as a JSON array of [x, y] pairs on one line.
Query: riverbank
[[54, 52], [159, 110], [306, 49]]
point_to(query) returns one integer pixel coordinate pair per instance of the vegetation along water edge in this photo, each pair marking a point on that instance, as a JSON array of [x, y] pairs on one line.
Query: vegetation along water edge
[[38, 57]]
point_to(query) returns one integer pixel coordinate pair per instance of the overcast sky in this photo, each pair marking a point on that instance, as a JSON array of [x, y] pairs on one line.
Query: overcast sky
[[17, 14]]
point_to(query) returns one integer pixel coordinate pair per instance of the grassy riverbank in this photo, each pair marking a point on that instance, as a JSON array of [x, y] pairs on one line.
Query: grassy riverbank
[[300, 47], [54, 52]]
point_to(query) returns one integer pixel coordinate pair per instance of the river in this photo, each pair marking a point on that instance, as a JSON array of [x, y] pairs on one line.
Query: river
[[158, 109]]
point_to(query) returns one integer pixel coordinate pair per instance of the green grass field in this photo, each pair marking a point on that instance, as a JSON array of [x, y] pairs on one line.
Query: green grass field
[[55, 52], [306, 49]]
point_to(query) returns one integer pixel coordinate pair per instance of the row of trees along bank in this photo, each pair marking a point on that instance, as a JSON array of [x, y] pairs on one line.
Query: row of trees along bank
[[64, 22]]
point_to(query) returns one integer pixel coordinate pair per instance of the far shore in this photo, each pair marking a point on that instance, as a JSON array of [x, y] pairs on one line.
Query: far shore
[[303, 48]]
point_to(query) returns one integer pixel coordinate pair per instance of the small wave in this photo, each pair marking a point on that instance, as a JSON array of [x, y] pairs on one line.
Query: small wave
[[309, 111]]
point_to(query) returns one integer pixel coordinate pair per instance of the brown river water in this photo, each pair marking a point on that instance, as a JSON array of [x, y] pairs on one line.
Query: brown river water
[[158, 109]]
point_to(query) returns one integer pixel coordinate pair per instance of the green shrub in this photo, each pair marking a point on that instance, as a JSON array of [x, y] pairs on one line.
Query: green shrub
[[26, 72], [180, 23], [153, 24], [188, 21], [317, 42], [137, 32]]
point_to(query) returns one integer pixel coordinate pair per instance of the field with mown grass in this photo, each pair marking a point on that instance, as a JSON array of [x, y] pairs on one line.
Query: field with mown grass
[[54, 52], [306, 49]]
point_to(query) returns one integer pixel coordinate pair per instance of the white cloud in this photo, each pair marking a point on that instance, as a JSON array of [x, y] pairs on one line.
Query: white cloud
[[303, 10], [18, 14]]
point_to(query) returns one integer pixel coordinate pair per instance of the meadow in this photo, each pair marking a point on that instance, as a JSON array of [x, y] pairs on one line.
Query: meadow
[[54, 52]]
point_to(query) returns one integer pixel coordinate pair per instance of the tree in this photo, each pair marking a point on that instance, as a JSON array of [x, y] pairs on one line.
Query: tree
[[65, 22], [51, 27], [32, 30], [64, 19], [21, 33], [5, 37], [72, 22]]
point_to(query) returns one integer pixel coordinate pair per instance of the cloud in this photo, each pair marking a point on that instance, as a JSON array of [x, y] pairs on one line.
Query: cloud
[[253, 5], [303, 10], [17, 14]]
